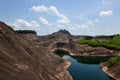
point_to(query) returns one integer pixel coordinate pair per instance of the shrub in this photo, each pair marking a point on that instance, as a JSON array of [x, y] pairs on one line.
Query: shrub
[[112, 61], [94, 43], [90, 42], [83, 41], [109, 44], [25, 31]]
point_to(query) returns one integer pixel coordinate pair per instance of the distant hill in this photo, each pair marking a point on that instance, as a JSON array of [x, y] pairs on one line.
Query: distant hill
[[66, 35], [59, 35]]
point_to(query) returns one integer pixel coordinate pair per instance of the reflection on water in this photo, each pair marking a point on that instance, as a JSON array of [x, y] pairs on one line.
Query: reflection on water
[[80, 71]]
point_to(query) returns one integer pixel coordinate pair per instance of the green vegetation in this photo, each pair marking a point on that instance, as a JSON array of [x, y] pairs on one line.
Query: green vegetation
[[61, 52], [104, 36], [91, 59], [113, 43], [25, 31], [90, 42], [112, 61]]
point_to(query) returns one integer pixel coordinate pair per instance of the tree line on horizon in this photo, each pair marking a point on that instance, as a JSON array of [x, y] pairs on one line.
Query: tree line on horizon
[[26, 31]]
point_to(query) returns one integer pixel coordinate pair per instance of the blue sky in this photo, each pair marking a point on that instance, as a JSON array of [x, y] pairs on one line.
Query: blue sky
[[80, 17]]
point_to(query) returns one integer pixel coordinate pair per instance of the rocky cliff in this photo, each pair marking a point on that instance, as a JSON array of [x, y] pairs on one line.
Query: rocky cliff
[[19, 60]]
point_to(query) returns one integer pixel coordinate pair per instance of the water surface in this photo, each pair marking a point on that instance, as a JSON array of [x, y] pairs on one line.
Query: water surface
[[80, 71]]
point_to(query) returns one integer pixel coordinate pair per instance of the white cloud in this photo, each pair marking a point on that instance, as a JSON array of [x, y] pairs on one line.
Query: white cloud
[[54, 10], [23, 24], [87, 24], [106, 13], [44, 21], [60, 26], [41, 8], [62, 21], [51, 10]]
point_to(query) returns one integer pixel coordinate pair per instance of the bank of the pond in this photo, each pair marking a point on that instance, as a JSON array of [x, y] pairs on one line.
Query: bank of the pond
[[84, 59], [80, 71]]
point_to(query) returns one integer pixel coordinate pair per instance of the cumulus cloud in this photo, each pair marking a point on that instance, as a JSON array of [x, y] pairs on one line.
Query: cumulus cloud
[[44, 21], [87, 24], [84, 26], [106, 13], [41, 8], [60, 26], [62, 21], [23, 24], [51, 10]]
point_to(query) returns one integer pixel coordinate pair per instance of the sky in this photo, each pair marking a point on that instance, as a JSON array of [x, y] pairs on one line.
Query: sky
[[79, 17]]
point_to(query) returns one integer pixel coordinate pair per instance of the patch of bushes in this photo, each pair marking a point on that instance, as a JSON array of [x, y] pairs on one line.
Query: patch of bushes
[[104, 36], [109, 44], [83, 41], [90, 42], [25, 31], [112, 61]]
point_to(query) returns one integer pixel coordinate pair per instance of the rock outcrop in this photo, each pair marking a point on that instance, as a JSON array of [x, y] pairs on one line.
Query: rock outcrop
[[61, 35], [28, 34], [20, 60]]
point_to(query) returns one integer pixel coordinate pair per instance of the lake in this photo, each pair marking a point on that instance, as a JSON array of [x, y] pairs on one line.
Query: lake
[[81, 71]]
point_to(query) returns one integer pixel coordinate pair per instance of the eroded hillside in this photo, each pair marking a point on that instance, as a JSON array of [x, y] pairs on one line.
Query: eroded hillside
[[65, 41], [21, 61]]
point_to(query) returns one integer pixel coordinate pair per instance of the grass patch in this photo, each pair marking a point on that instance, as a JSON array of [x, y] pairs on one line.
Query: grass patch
[[112, 61], [114, 43]]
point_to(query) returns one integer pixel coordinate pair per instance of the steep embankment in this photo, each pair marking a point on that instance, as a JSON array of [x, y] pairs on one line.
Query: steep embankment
[[112, 67], [21, 61]]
